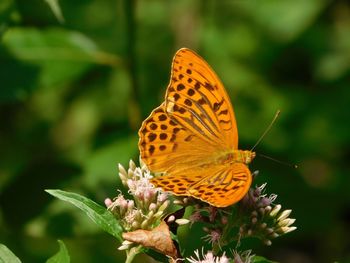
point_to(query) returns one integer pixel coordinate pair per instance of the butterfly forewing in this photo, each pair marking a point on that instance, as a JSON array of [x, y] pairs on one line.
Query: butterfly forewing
[[198, 100], [169, 147]]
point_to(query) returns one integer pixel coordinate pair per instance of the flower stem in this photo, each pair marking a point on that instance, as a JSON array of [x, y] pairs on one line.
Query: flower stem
[[216, 248], [130, 254]]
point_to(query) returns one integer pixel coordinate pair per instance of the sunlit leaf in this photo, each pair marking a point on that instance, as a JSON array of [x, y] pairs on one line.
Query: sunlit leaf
[[62, 55], [61, 256], [98, 214], [292, 19], [98, 164], [7, 256], [56, 9]]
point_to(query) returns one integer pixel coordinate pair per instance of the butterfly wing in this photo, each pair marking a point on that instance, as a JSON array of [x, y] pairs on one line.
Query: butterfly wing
[[227, 186], [197, 99], [186, 134], [168, 147], [194, 124]]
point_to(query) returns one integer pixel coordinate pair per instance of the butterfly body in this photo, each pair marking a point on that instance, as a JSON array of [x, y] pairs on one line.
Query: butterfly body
[[192, 138], [236, 156]]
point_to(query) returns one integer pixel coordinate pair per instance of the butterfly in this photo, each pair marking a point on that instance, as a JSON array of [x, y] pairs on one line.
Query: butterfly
[[192, 138]]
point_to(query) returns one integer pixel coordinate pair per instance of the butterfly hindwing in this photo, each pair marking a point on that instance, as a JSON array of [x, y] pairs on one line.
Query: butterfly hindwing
[[227, 186]]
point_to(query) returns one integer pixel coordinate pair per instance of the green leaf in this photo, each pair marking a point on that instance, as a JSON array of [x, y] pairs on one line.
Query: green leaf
[[62, 55], [99, 214], [155, 255], [97, 165], [56, 9], [259, 259], [7, 256], [61, 256], [294, 16]]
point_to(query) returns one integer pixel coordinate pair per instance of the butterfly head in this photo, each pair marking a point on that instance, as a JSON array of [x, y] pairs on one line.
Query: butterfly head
[[248, 156]]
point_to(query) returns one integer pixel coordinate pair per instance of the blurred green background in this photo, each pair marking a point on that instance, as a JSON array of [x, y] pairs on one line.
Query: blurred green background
[[78, 77]]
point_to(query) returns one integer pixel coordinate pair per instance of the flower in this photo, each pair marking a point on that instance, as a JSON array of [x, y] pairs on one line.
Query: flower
[[149, 204], [243, 257], [267, 221], [196, 216], [213, 237], [207, 258], [255, 216]]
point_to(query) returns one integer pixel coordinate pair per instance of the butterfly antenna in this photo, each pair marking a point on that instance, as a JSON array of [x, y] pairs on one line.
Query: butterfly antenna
[[267, 129], [278, 161]]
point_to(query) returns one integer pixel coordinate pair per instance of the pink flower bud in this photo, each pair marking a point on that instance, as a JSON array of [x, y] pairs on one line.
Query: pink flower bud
[[254, 220], [152, 207], [108, 202], [162, 197], [147, 195], [171, 219], [224, 220], [130, 204]]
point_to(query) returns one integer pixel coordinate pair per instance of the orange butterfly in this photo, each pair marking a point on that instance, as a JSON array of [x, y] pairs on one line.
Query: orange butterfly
[[192, 137]]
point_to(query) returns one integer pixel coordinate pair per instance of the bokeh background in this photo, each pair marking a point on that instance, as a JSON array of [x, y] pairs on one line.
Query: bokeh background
[[78, 77]]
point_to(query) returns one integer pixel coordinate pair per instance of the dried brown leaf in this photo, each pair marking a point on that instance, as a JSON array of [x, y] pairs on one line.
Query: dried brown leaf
[[158, 239]]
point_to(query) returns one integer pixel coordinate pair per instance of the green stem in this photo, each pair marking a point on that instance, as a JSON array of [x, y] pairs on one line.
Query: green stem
[[233, 221], [216, 248], [134, 107], [130, 254]]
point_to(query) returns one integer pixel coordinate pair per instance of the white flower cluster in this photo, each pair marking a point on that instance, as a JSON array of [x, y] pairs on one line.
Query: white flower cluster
[[207, 258], [148, 204], [267, 221]]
